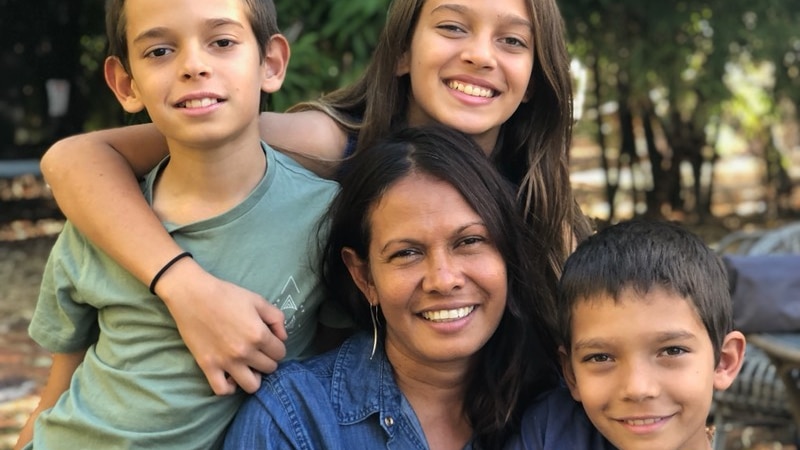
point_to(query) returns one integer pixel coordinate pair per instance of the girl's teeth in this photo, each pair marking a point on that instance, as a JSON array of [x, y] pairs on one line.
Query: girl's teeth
[[447, 314], [471, 89]]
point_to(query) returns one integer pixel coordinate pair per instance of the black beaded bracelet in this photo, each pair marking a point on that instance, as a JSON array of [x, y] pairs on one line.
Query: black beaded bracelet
[[165, 268]]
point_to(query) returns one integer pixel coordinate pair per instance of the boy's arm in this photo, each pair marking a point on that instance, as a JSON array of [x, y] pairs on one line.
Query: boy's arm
[[64, 365], [92, 178]]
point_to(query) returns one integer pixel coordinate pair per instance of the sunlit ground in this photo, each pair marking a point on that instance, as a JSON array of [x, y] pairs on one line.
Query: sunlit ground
[[739, 194]]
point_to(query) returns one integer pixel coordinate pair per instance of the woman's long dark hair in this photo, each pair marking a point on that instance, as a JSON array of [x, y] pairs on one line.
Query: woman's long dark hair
[[519, 360]]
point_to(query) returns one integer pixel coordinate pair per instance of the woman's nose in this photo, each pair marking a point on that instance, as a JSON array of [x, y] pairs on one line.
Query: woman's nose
[[443, 274]]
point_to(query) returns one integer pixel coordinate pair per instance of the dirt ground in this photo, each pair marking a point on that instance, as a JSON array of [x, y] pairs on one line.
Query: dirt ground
[[23, 364], [24, 245]]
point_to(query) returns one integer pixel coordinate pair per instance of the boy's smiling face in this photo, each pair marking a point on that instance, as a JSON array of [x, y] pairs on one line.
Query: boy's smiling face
[[643, 367], [196, 68]]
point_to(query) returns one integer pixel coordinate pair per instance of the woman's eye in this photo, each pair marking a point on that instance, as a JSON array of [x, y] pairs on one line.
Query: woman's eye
[[403, 254], [472, 240]]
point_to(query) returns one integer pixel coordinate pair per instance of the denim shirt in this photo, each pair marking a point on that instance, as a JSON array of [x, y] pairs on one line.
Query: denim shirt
[[339, 400]]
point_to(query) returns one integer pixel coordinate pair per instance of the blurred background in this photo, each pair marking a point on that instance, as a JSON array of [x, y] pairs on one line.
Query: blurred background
[[687, 110], [674, 98]]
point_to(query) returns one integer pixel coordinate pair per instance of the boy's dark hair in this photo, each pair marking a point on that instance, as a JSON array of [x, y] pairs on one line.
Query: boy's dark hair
[[519, 360], [642, 255], [261, 14]]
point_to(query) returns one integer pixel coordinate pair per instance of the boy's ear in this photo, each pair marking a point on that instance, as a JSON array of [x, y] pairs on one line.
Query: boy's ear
[[276, 60], [569, 373], [731, 356], [359, 271], [121, 83]]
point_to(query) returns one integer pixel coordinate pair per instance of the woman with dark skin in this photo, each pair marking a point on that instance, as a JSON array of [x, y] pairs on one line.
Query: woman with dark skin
[[428, 252]]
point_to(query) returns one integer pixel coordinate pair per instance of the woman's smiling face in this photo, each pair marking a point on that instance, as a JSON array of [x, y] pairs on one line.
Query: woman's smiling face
[[434, 271]]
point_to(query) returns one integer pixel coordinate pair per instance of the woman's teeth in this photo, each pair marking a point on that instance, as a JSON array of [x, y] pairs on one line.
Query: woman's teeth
[[447, 314]]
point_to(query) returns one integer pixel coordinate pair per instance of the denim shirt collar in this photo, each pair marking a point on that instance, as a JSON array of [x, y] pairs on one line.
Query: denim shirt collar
[[362, 386]]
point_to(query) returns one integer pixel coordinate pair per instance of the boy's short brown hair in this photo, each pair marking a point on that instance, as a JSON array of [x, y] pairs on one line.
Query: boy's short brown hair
[[641, 255]]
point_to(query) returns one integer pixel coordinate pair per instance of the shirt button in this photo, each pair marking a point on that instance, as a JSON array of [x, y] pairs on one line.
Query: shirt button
[[389, 421]]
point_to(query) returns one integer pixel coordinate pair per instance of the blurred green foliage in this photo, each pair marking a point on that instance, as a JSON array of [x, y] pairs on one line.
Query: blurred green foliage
[[331, 42]]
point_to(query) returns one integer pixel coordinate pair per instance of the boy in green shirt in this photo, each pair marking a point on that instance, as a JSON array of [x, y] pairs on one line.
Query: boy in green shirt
[[122, 377]]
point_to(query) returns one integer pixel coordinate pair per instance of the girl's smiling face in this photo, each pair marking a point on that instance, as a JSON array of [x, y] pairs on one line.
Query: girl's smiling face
[[470, 64]]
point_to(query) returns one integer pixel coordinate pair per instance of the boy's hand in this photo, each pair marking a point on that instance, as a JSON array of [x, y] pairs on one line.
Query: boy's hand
[[233, 334]]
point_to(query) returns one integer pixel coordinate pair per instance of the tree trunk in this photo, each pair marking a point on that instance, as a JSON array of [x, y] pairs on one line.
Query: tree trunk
[[655, 196], [611, 185], [627, 150]]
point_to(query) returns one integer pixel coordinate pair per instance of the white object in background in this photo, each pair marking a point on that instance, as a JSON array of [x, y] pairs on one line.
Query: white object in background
[[57, 97]]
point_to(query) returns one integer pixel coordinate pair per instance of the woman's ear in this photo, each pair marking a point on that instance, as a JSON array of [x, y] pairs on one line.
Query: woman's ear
[[122, 84], [276, 59], [731, 356], [359, 271], [569, 373]]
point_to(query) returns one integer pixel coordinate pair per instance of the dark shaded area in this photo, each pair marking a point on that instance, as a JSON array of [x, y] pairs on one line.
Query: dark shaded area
[[29, 209], [43, 41]]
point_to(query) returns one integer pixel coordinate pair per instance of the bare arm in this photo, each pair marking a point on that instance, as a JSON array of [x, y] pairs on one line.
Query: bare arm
[[93, 181], [97, 190], [310, 137], [64, 365]]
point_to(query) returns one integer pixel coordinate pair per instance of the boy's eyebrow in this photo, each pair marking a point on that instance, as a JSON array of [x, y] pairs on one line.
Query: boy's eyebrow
[[666, 336], [675, 335], [157, 32], [513, 19]]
